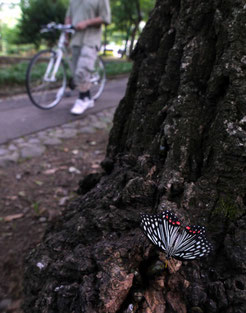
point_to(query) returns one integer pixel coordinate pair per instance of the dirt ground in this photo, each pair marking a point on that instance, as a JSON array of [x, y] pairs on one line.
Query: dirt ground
[[33, 194]]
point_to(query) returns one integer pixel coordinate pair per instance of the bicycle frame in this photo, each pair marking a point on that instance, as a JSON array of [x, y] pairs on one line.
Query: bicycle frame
[[54, 63], [50, 74]]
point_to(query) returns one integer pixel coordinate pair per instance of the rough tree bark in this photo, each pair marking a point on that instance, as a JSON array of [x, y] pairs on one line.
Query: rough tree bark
[[178, 142]]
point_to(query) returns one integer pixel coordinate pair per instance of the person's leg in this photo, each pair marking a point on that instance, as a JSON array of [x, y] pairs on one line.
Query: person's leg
[[75, 56], [85, 66]]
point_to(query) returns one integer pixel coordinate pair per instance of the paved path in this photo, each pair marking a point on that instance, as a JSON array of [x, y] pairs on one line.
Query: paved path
[[26, 132], [18, 117], [34, 145]]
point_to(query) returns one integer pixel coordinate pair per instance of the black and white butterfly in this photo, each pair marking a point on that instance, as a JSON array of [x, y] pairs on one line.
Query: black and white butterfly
[[164, 230]]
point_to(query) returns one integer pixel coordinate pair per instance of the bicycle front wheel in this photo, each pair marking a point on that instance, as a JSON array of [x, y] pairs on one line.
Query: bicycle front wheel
[[45, 86], [98, 79]]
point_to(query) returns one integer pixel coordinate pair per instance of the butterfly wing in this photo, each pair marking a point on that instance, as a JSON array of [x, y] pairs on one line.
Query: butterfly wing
[[161, 229], [151, 227], [192, 244], [165, 232]]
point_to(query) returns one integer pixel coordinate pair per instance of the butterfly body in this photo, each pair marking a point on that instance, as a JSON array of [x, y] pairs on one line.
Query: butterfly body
[[164, 230]]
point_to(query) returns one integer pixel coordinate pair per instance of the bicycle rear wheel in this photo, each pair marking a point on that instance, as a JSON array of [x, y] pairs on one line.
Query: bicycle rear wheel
[[98, 79], [44, 92]]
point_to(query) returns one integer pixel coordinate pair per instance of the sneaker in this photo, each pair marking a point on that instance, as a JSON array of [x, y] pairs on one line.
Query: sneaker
[[81, 105], [90, 102]]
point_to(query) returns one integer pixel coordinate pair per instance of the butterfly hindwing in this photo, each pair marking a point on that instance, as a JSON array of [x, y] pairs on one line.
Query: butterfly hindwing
[[194, 243]]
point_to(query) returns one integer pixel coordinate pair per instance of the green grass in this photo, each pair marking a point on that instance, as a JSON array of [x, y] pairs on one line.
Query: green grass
[[15, 74], [117, 67]]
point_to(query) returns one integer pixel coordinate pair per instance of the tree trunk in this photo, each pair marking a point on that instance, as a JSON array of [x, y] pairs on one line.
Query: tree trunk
[[127, 36], [133, 35], [178, 142]]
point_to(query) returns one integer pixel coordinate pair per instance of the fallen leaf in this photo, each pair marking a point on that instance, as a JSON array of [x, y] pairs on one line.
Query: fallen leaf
[[38, 182], [74, 170], [50, 171], [22, 194], [11, 197], [10, 218], [95, 165], [63, 201], [42, 210]]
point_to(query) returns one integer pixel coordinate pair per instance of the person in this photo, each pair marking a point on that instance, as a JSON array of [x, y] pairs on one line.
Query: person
[[87, 16]]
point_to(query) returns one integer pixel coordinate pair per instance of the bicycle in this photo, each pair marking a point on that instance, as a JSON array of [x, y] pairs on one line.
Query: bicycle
[[46, 76]]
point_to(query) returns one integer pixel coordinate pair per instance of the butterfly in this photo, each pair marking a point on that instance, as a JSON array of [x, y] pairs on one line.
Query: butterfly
[[164, 230]]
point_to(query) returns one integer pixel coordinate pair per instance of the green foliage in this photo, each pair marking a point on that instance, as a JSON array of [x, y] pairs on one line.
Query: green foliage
[[15, 74], [35, 14], [36, 208], [9, 33], [118, 67], [13, 49], [9, 40], [127, 15]]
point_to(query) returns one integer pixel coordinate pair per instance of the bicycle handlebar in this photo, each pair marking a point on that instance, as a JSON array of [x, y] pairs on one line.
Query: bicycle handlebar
[[68, 28]]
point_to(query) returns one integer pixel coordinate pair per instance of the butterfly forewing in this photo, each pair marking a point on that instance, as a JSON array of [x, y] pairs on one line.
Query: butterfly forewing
[[165, 232], [161, 229], [150, 225], [171, 223]]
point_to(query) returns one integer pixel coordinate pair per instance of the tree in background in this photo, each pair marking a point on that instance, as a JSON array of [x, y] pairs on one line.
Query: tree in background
[[35, 14], [126, 17]]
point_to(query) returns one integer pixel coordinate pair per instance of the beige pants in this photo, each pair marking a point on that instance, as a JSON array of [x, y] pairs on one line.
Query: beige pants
[[83, 61]]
